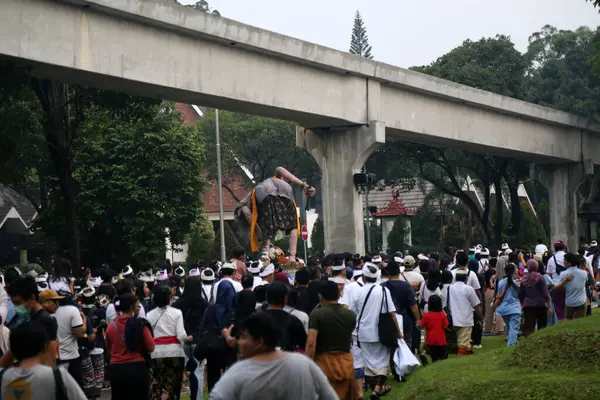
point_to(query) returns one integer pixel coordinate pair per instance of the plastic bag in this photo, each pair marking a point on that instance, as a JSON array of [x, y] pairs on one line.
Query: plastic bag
[[405, 361]]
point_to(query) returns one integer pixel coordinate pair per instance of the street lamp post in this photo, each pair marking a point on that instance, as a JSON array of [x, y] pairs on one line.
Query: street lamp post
[[220, 186]]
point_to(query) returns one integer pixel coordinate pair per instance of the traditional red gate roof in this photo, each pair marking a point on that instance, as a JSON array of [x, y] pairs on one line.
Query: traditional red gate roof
[[395, 207]]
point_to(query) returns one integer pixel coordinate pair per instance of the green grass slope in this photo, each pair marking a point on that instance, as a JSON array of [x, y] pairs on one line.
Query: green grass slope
[[559, 362]]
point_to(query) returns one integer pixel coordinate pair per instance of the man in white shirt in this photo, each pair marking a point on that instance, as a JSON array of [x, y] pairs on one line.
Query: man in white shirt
[[227, 270], [375, 355], [71, 326], [540, 248], [462, 300], [462, 261], [208, 283]]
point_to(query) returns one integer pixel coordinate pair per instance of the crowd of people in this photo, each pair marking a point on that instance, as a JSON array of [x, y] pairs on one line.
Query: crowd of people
[[259, 329]]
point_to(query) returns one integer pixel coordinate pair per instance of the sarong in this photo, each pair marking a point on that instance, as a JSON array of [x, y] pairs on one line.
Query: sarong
[[89, 379], [376, 358], [339, 369], [463, 337], [277, 213], [97, 356], [167, 378]]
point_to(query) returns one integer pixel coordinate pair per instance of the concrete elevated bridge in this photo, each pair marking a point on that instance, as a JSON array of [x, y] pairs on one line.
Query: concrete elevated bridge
[[346, 106]]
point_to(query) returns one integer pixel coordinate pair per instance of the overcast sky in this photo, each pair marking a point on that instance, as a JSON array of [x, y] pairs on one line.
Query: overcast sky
[[408, 32]]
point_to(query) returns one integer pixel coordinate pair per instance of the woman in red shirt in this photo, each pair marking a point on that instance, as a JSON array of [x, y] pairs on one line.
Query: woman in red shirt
[[129, 342], [435, 321]]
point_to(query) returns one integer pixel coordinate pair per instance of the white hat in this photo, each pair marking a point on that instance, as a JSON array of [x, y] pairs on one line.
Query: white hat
[[255, 267], [229, 266], [88, 291], [266, 271], [94, 282], [357, 272], [422, 256], [127, 270], [103, 300], [338, 279], [376, 259], [594, 243], [207, 275], [162, 276], [339, 267], [42, 285], [472, 249], [116, 279], [485, 252], [44, 275], [507, 251], [146, 276], [399, 259], [180, 271], [367, 272], [194, 272], [505, 246]]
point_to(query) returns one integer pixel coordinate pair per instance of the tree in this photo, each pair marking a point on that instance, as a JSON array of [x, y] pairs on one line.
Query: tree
[[396, 240], [202, 5], [359, 44], [259, 144], [231, 243], [317, 238], [201, 241], [138, 182]]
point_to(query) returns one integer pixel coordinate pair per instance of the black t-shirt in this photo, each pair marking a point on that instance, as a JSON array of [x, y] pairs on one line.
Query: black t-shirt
[[45, 319], [295, 337], [403, 296]]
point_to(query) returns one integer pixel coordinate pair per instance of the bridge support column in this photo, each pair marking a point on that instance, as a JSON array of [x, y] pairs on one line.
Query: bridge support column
[[341, 153], [562, 181]]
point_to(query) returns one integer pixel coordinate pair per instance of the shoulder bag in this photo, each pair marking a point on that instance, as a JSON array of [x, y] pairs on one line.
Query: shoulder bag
[[361, 314], [447, 308], [388, 333]]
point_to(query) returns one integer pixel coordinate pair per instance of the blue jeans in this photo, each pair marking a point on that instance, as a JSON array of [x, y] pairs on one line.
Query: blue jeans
[[513, 323]]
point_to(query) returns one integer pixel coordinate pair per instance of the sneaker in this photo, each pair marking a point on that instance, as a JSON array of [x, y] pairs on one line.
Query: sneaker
[[478, 347]]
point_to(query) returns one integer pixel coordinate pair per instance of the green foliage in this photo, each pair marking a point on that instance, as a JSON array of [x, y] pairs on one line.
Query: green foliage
[[427, 224], [257, 143], [560, 75], [359, 44], [203, 6], [530, 230], [397, 239], [138, 181], [201, 241], [317, 238], [231, 243]]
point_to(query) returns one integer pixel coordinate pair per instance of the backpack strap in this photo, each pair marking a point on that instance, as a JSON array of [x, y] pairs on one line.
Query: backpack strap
[[61, 392], [114, 323], [361, 313]]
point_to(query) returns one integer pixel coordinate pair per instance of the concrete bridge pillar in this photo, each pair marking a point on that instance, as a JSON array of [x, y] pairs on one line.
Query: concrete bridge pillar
[[341, 153], [562, 181]]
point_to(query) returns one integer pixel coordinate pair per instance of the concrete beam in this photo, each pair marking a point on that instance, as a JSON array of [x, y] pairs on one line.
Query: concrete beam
[[164, 50]]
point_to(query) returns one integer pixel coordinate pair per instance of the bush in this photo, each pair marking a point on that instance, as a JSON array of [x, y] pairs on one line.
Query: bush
[[201, 241]]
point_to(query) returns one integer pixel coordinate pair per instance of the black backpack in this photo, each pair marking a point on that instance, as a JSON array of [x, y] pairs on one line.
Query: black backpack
[[61, 391]]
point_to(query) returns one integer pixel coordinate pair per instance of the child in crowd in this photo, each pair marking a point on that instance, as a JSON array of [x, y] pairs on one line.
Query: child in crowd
[[435, 321]]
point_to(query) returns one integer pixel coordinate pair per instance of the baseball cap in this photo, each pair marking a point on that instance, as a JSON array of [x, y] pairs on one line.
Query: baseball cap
[[49, 294], [409, 261]]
